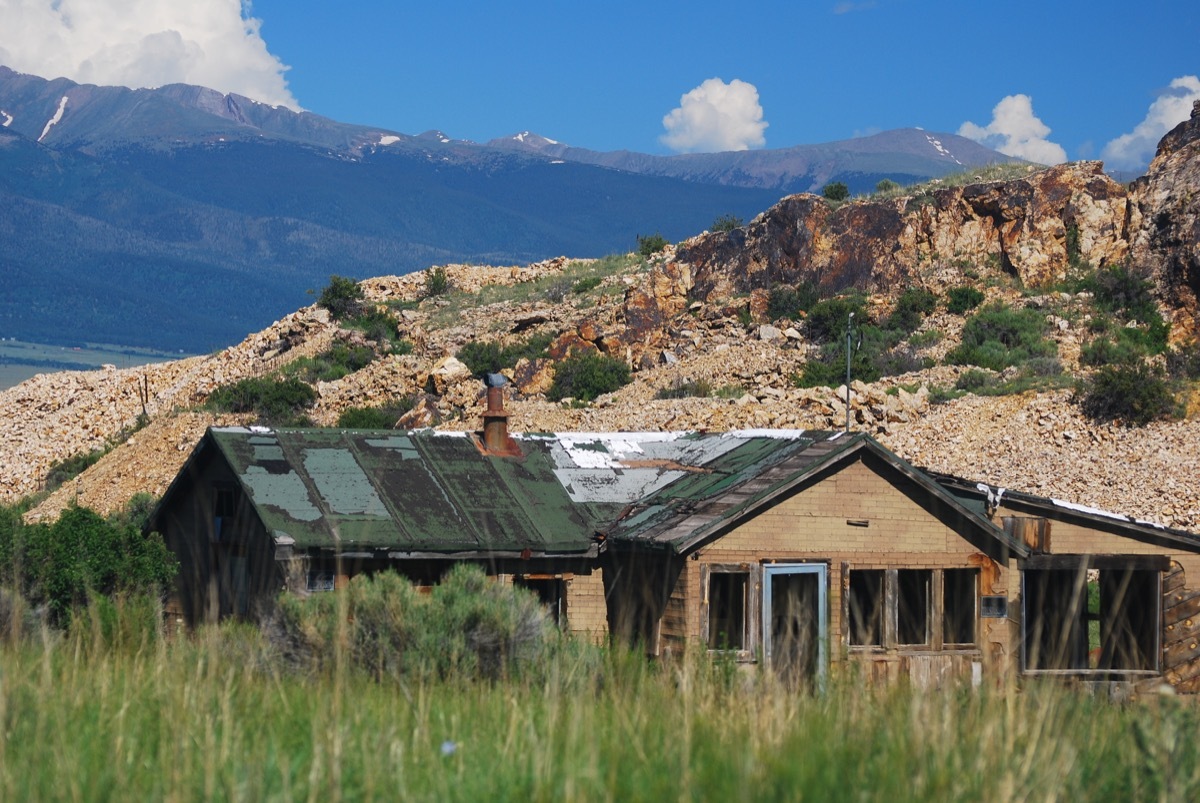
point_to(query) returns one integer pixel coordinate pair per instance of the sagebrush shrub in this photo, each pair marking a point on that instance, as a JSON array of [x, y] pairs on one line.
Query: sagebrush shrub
[[963, 299], [789, 302], [1133, 393], [276, 402], [586, 376], [470, 626], [999, 336]]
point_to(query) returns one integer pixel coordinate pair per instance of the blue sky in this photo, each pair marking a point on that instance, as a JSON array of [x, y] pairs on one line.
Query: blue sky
[[1077, 76]]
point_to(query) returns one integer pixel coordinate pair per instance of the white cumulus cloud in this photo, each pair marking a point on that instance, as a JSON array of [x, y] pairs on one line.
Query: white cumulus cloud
[[1133, 151], [143, 43], [1016, 131], [716, 116]]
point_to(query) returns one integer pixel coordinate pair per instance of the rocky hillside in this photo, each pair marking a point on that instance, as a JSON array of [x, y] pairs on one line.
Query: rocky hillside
[[694, 323]]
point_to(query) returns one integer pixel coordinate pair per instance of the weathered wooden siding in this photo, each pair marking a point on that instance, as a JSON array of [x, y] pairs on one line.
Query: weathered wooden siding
[[1181, 631]]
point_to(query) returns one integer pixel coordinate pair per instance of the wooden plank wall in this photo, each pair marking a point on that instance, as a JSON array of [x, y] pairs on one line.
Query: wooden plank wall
[[1181, 631]]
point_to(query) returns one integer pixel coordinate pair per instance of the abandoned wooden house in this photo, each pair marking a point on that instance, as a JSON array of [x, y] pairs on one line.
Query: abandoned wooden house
[[806, 550]]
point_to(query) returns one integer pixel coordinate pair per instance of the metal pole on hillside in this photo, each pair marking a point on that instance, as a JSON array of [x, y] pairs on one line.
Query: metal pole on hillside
[[849, 326]]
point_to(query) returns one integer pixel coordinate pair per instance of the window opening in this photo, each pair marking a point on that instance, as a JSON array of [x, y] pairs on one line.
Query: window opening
[[550, 591], [224, 509], [1105, 619], [727, 610], [959, 592], [913, 597], [866, 607]]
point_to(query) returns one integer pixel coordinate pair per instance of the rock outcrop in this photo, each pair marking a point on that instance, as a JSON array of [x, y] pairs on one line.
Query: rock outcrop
[[1022, 225], [1165, 222]]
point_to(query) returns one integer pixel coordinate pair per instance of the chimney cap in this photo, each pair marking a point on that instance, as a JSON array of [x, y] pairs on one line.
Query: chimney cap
[[495, 380]]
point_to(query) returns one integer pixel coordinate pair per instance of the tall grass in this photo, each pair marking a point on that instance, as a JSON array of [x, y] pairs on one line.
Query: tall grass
[[216, 716]]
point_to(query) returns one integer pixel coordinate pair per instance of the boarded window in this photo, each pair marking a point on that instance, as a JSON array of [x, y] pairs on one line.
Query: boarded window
[[866, 607], [727, 610], [913, 598], [959, 616]]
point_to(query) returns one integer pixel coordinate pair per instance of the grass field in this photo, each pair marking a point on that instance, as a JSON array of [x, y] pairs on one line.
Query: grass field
[[215, 716], [20, 360]]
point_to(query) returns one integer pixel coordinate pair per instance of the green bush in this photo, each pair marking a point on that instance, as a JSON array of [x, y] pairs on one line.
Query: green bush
[[726, 223], [586, 376], [60, 564], [337, 361], [929, 337], [135, 512], [651, 244], [490, 357], [382, 417], [911, 307], [437, 282], [886, 185], [963, 299], [829, 369], [469, 627], [974, 380], [789, 302], [276, 402], [342, 297], [827, 320], [378, 325], [585, 284], [1134, 393], [999, 336], [1119, 290], [71, 467], [836, 191]]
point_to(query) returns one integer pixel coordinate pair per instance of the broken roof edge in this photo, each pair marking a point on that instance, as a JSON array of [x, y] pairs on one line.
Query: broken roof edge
[[1152, 530]]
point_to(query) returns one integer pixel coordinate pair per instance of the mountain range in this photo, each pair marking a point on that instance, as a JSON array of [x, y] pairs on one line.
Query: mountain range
[[183, 218]]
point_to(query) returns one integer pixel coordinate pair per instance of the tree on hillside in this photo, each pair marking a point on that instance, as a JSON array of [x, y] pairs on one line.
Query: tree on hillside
[[836, 191]]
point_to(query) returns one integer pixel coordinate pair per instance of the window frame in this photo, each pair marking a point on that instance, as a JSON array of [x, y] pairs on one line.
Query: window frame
[[935, 611], [1078, 659], [751, 584]]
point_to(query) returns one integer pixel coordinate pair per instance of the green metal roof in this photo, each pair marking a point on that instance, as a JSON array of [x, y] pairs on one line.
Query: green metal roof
[[412, 492], [436, 492]]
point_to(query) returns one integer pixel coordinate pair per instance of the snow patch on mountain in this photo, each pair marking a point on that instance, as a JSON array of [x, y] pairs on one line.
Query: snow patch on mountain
[[390, 139], [528, 137], [58, 115], [937, 144], [8, 118]]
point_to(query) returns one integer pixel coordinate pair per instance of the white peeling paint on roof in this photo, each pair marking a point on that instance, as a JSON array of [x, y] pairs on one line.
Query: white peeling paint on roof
[[609, 449], [599, 485], [777, 434], [389, 140], [8, 118], [62, 107], [1095, 511]]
